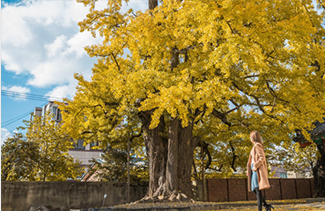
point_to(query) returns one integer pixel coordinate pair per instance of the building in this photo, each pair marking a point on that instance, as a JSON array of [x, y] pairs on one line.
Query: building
[[280, 172], [80, 152], [317, 135]]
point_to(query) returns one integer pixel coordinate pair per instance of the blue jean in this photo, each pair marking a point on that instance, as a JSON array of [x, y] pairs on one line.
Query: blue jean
[[254, 179]]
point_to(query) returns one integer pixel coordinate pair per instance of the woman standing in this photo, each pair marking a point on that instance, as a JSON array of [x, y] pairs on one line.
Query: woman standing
[[257, 171]]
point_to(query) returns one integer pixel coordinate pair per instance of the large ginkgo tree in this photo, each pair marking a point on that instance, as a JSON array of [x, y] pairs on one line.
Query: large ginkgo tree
[[186, 71]]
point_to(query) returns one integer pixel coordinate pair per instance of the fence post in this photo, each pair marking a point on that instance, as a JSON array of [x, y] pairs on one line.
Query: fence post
[[296, 188], [280, 184], [228, 190], [207, 189], [246, 189], [311, 191]]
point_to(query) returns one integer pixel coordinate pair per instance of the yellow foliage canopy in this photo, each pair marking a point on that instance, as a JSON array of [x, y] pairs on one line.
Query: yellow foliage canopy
[[228, 66]]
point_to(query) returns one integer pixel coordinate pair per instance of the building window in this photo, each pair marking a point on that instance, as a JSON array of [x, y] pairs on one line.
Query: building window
[[54, 113], [283, 175], [44, 111], [59, 117], [79, 145], [92, 145]]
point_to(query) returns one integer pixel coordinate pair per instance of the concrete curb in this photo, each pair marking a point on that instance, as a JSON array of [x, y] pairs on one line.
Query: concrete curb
[[312, 200], [196, 206]]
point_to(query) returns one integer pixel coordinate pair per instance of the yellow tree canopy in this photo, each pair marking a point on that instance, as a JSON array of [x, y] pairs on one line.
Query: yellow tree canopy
[[227, 66], [266, 55]]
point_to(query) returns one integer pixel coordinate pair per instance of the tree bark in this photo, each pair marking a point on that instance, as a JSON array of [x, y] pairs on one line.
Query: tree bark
[[187, 144], [153, 4], [319, 174], [170, 161], [156, 148]]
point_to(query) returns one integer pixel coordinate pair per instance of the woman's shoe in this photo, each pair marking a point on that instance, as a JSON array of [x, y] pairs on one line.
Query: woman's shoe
[[268, 207]]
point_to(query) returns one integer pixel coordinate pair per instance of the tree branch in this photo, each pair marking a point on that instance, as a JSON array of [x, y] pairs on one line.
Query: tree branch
[[221, 116], [205, 147], [118, 66], [216, 168], [232, 163]]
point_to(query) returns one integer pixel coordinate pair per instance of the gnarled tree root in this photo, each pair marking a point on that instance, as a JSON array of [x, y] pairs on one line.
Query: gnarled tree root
[[172, 197]]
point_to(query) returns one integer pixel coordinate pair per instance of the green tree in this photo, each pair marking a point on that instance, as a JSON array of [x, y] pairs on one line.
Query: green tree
[[18, 159], [294, 158], [190, 71], [112, 166], [39, 155]]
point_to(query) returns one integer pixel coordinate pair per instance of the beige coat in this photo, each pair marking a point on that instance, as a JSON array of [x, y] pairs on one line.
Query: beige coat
[[260, 165]]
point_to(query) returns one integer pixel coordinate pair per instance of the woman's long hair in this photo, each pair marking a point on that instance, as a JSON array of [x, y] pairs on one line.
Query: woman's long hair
[[255, 136]]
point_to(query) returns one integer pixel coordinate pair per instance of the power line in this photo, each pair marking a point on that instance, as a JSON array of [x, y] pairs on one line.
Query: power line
[[28, 96], [15, 119], [24, 97]]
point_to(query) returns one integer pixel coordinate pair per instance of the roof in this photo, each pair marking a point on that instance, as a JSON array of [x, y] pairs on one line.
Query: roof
[[319, 129]]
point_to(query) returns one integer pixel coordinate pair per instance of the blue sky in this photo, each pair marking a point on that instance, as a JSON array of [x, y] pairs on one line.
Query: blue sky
[[41, 49]]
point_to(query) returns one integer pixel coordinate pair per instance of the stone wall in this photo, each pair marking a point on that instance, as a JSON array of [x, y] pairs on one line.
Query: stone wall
[[20, 196]]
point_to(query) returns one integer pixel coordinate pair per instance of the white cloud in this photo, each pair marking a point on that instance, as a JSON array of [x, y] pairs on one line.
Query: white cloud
[[54, 48], [42, 39], [4, 135], [17, 31], [63, 91], [77, 43], [16, 92]]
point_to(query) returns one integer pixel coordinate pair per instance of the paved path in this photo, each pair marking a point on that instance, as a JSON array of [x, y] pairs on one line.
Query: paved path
[[303, 204], [310, 206]]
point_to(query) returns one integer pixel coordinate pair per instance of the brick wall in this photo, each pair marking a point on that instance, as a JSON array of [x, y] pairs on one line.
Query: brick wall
[[216, 190], [288, 188], [237, 189], [220, 190], [274, 192], [303, 188]]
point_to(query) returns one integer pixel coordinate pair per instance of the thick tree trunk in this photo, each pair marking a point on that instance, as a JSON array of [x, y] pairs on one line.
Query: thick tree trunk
[[187, 144], [153, 4], [170, 161], [319, 174], [156, 148]]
